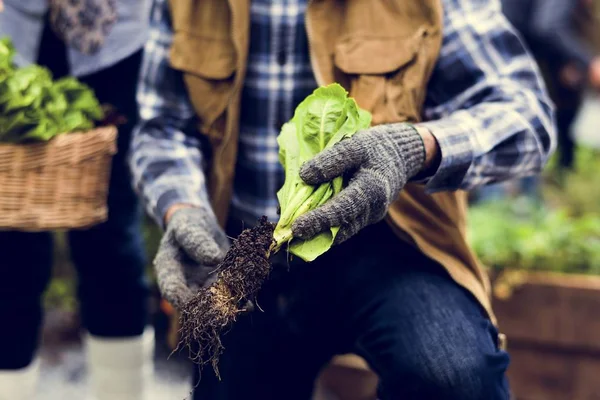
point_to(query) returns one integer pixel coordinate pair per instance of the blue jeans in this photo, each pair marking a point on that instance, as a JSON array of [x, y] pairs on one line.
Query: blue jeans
[[109, 258], [426, 337]]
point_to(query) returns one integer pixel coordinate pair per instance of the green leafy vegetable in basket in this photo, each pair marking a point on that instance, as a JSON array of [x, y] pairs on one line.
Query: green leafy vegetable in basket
[[33, 106]]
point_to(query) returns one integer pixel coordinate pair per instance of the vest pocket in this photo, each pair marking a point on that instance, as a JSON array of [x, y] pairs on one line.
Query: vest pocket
[[384, 75], [208, 66]]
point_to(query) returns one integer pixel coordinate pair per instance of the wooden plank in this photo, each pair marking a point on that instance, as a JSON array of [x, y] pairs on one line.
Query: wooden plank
[[553, 309], [553, 337], [545, 374]]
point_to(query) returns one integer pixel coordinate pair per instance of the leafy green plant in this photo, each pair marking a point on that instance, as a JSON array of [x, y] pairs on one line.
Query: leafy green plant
[[514, 235], [576, 190], [35, 107], [60, 295], [324, 118], [320, 121]]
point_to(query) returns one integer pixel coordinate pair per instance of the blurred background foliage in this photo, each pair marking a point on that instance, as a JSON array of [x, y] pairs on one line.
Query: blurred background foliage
[[577, 191], [559, 234]]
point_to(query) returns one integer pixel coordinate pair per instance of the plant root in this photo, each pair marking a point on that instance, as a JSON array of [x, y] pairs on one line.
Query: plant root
[[215, 308]]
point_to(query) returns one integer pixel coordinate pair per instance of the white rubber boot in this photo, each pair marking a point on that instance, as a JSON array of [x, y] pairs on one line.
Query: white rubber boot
[[19, 384], [120, 368]]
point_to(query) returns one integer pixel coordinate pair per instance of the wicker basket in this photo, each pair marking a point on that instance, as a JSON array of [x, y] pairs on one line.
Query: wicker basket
[[59, 184]]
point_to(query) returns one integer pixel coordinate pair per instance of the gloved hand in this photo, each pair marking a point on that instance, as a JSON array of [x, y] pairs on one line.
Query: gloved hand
[[382, 159], [189, 251]]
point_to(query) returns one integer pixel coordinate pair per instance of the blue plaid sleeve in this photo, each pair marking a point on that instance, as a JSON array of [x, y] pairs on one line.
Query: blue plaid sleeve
[[486, 104], [166, 162]]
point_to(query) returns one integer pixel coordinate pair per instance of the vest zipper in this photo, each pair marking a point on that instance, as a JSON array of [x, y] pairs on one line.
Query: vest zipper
[[311, 54]]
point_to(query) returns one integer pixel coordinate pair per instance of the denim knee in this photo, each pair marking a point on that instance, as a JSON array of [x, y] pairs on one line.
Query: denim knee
[[465, 375], [473, 376]]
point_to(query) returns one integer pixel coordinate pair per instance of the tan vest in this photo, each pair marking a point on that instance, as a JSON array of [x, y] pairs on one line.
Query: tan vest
[[382, 51]]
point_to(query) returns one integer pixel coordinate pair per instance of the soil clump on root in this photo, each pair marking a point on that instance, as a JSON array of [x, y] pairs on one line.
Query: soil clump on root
[[214, 308]]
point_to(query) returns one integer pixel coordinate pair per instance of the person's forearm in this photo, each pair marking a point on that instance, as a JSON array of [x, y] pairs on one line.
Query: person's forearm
[[165, 159], [492, 141], [486, 105], [166, 171]]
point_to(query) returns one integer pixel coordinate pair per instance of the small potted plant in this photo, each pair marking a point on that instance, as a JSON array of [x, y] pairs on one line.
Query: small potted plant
[[54, 160]]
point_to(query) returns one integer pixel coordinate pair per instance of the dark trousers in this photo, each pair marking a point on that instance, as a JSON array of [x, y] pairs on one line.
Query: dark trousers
[[567, 101], [426, 337], [109, 258], [565, 117]]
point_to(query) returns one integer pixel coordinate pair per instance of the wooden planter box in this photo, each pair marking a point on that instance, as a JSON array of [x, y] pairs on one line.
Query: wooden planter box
[[552, 324]]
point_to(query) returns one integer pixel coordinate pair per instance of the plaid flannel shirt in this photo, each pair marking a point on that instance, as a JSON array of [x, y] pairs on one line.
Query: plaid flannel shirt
[[485, 104]]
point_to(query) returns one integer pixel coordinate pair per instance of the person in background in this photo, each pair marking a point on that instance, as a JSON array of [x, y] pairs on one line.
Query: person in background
[[100, 42], [558, 34], [555, 30], [457, 102]]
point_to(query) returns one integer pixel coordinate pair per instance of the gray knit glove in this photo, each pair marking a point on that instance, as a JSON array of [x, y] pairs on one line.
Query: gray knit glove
[[189, 251], [382, 159]]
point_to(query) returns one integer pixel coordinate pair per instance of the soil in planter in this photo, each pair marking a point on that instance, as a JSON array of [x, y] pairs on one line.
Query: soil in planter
[[240, 276]]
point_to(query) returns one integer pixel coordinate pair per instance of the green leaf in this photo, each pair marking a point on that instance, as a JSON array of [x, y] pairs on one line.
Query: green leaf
[[311, 249], [79, 96], [324, 118], [75, 120], [7, 52], [43, 130], [54, 102]]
